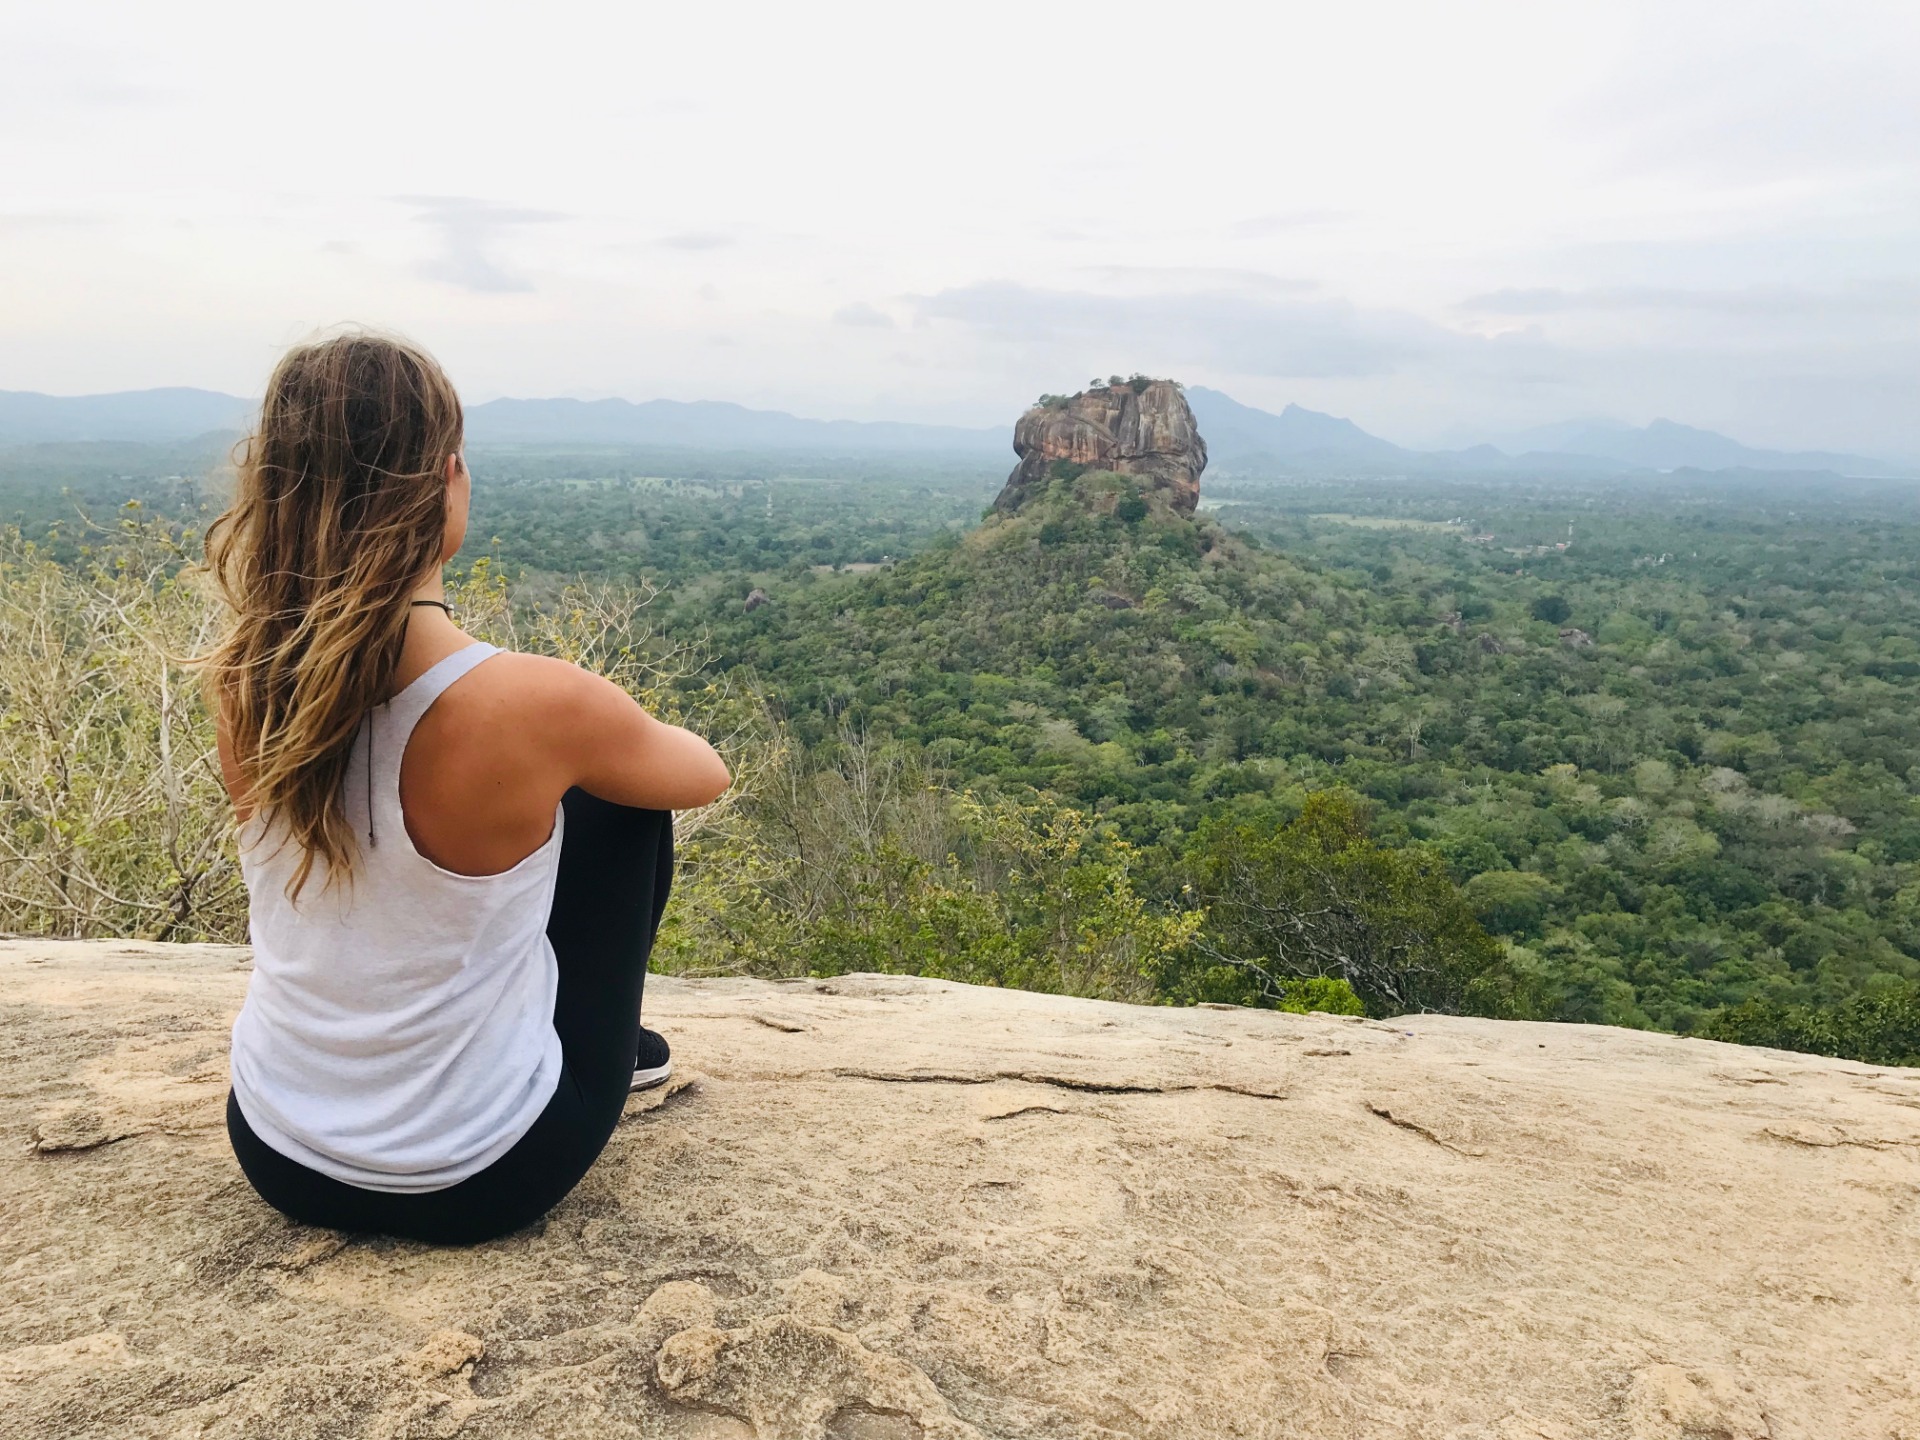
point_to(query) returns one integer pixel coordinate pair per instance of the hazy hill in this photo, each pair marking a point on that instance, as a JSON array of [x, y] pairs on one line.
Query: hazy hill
[[1238, 434], [708, 424], [1667, 445], [147, 416], [160, 416], [1239, 437]]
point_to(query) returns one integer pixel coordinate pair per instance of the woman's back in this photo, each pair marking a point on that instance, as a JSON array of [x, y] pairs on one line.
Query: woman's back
[[444, 1017], [397, 1033]]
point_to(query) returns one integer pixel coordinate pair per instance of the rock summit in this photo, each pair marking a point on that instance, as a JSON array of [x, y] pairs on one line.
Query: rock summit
[[1140, 427]]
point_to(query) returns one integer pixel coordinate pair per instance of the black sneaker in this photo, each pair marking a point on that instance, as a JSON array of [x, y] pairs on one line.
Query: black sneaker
[[654, 1063]]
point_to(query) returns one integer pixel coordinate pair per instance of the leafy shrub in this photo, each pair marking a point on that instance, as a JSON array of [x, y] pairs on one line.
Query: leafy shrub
[[113, 818], [1881, 1027], [1319, 897], [856, 858], [1201, 981]]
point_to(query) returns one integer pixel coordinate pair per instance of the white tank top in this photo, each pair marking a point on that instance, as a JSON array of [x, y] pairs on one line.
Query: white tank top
[[398, 1027]]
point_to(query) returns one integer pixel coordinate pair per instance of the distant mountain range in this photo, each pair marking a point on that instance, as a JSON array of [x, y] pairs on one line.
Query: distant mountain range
[[1240, 439], [164, 415], [710, 425], [1237, 434], [1665, 445], [147, 416]]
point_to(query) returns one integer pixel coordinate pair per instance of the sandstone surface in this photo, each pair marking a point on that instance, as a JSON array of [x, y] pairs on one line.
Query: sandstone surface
[[876, 1208], [1150, 434]]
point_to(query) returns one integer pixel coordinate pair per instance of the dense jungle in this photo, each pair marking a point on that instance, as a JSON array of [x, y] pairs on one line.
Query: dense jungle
[[1639, 751]]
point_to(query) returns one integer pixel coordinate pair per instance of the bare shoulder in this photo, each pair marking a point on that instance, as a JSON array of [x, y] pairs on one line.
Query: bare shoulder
[[537, 677], [541, 691], [573, 727]]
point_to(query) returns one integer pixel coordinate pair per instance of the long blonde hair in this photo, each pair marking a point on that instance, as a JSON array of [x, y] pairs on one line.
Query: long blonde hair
[[339, 512]]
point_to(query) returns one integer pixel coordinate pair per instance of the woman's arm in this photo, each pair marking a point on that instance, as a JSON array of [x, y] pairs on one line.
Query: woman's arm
[[610, 747]]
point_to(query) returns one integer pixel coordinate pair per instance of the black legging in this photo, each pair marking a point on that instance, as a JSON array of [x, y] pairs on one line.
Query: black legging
[[616, 867]]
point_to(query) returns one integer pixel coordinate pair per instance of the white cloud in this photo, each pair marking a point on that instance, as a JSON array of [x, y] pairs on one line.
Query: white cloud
[[1897, 300], [467, 229], [1245, 331]]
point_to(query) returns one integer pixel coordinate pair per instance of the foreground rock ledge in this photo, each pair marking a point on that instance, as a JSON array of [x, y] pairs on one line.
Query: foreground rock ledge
[[888, 1208]]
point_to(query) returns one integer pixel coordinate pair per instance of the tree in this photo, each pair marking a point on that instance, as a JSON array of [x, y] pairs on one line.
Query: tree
[[1553, 609], [1881, 1027], [856, 857], [113, 817], [1510, 902], [1320, 897]]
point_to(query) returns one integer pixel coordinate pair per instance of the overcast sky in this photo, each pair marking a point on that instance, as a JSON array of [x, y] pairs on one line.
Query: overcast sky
[[1444, 221]]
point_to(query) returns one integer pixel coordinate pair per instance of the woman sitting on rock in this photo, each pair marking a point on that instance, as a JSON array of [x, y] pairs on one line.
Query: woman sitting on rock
[[456, 856]]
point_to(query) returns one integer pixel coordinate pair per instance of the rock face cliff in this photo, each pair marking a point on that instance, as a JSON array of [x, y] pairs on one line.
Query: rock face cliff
[[1148, 432], [880, 1208]]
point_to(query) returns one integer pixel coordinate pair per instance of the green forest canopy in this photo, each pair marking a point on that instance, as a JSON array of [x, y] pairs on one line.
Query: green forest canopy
[[1658, 738], [1673, 764]]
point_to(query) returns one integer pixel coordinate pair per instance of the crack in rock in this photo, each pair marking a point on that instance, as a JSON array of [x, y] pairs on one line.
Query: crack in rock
[[645, 1101], [1841, 1140], [774, 1022], [313, 1252], [1062, 1082], [1392, 1119]]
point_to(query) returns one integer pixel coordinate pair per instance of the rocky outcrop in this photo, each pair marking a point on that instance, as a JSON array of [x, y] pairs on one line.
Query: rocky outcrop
[[1148, 432], [875, 1208]]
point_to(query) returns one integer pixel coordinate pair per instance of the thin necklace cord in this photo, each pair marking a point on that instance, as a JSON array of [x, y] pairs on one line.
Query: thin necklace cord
[[367, 720]]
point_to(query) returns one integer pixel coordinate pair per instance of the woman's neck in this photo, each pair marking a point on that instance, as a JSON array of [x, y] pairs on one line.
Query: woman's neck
[[432, 634]]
